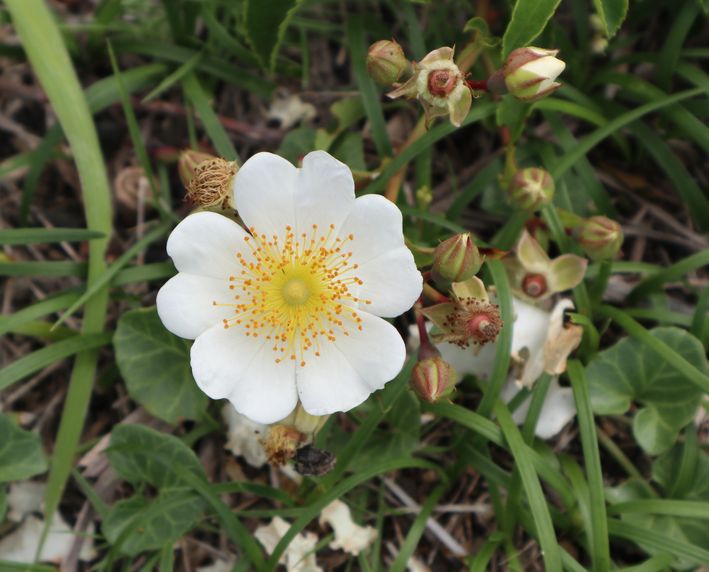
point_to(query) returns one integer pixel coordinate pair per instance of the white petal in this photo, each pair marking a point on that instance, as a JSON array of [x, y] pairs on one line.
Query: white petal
[[558, 408], [391, 283], [263, 190], [350, 369], [185, 304], [547, 67], [267, 392], [324, 192], [349, 536], [376, 225], [227, 363], [206, 244], [244, 437], [529, 329]]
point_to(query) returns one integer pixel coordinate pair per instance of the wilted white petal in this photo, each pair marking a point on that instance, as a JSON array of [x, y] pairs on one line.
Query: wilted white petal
[[219, 566], [244, 436], [24, 498], [299, 556], [349, 536], [558, 408], [20, 546]]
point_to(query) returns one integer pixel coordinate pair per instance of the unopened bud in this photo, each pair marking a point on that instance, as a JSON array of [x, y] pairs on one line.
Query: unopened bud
[[433, 379], [530, 73], [601, 238], [188, 162], [456, 259], [386, 62], [531, 188], [211, 184]]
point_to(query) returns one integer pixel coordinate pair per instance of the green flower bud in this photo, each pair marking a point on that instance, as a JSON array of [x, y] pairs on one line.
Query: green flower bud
[[530, 73], [433, 379], [601, 238], [386, 62], [456, 260], [531, 188]]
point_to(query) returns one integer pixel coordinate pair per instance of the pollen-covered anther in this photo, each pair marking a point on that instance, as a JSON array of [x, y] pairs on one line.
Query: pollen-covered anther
[[295, 292]]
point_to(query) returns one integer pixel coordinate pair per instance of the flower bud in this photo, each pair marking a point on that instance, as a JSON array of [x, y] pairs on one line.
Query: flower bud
[[456, 259], [531, 188], [386, 62], [433, 379], [530, 73], [188, 162], [211, 184], [601, 238]]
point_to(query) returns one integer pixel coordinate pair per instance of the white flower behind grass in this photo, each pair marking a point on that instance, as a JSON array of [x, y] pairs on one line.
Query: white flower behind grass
[[292, 309]]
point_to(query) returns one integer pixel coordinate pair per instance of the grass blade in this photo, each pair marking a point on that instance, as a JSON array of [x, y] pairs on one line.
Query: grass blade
[[14, 236]]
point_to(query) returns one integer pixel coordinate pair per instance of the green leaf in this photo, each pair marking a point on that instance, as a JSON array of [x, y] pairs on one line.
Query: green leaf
[[21, 454], [156, 367], [3, 503], [630, 371], [140, 454], [529, 18], [137, 524], [612, 14], [266, 24], [513, 113], [667, 470]]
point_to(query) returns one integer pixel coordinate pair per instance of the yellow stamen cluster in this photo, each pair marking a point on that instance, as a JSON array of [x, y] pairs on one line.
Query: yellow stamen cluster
[[296, 292]]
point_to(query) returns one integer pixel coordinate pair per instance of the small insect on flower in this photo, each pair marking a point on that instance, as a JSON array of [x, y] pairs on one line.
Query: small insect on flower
[[292, 309]]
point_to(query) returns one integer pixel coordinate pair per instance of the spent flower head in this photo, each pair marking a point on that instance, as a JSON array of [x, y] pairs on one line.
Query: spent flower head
[[440, 87], [469, 318], [210, 181], [530, 73], [534, 276], [292, 309]]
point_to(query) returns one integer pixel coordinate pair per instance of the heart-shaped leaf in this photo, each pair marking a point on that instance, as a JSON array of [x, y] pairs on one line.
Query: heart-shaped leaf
[[140, 524], [21, 454], [631, 372], [156, 367], [140, 454]]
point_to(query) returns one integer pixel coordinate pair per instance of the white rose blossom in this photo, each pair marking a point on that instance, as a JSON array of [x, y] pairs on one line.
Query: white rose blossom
[[293, 308]]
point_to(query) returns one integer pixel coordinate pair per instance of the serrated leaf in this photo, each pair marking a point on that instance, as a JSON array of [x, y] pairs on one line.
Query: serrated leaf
[[21, 454], [140, 524], [266, 24], [529, 18], [155, 365], [630, 371], [140, 454], [612, 14]]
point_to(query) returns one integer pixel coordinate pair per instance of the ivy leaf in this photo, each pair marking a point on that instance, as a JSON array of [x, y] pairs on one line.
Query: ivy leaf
[[21, 454], [140, 454], [156, 367], [138, 524], [612, 14], [631, 372], [529, 18], [266, 24]]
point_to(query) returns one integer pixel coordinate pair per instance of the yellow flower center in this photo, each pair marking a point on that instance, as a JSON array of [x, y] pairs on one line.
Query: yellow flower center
[[297, 293]]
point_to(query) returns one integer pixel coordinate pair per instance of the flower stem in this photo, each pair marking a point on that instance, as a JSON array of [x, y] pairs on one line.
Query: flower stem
[[477, 84]]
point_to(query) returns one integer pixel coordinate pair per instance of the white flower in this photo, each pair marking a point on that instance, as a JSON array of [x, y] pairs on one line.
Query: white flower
[[291, 310], [349, 536], [300, 554]]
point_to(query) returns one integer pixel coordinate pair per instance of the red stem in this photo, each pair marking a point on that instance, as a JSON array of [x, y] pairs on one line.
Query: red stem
[[477, 84]]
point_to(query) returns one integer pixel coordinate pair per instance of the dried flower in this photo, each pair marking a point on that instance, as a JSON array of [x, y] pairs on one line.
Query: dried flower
[[530, 73], [440, 87], [212, 184], [468, 318]]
